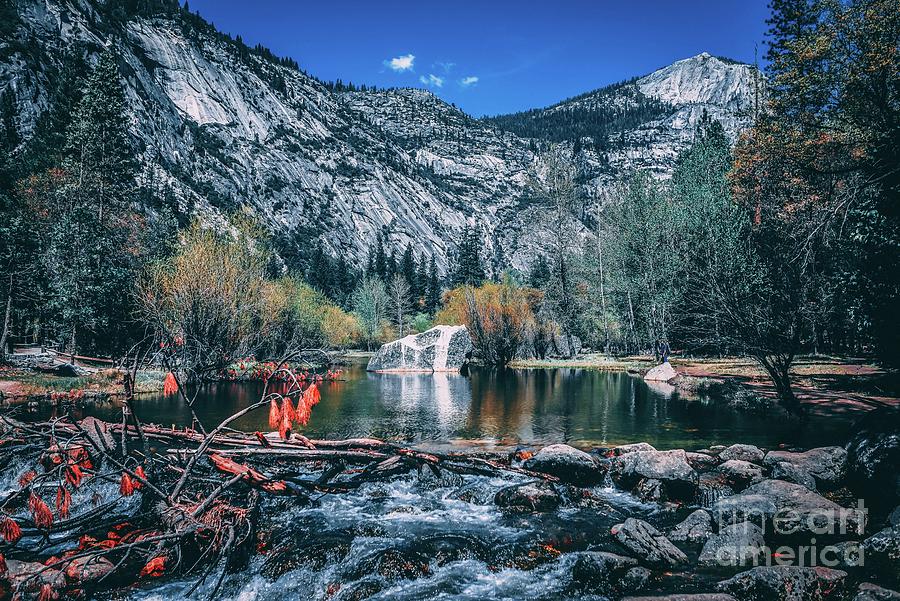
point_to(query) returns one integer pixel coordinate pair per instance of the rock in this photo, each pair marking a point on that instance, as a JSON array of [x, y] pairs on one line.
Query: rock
[[661, 373], [650, 490], [849, 555], [791, 472], [786, 583], [734, 545], [743, 452], [739, 474], [88, 570], [871, 592], [633, 448], [648, 543], [530, 497], [440, 349], [695, 528], [598, 570], [559, 346], [826, 464], [894, 517], [873, 455], [671, 467], [635, 579], [799, 510], [882, 549], [25, 574], [568, 464], [701, 461], [685, 597]]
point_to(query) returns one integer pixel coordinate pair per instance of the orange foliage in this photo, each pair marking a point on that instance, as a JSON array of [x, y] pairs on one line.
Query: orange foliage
[[40, 513], [63, 500], [170, 386], [26, 478], [10, 531], [126, 485], [154, 568]]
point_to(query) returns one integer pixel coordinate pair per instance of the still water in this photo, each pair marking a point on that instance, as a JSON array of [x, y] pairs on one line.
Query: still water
[[503, 408]]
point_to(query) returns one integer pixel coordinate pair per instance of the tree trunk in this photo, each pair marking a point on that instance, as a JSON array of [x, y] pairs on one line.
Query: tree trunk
[[778, 368], [6, 317]]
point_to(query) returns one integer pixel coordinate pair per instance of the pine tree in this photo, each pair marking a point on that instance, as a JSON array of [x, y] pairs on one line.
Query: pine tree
[[468, 268], [433, 292], [422, 278], [408, 269], [539, 273]]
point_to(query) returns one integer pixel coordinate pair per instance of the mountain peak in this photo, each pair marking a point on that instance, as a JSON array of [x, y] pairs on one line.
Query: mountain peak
[[702, 79]]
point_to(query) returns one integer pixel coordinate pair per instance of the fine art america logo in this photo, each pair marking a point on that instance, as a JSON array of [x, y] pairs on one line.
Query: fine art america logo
[[808, 538]]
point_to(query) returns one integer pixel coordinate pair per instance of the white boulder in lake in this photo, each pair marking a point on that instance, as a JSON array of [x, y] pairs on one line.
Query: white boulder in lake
[[661, 373], [442, 349]]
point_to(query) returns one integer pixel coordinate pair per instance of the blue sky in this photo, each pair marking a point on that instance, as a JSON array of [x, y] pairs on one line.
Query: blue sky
[[497, 56]]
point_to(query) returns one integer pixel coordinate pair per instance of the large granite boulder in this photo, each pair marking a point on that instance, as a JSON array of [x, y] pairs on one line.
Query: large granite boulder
[[873, 455], [743, 452], [872, 592], [442, 348], [734, 545], [568, 464], [799, 510], [526, 498], [648, 544], [882, 550], [670, 467], [661, 373], [786, 583], [695, 528], [826, 464]]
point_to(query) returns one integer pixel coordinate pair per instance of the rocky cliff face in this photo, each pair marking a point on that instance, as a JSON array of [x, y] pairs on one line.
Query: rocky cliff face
[[225, 128]]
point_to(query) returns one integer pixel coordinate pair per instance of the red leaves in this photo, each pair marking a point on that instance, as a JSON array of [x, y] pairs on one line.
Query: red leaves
[[3, 567], [63, 500], [47, 593], [126, 485], [288, 409], [40, 513], [10, 530], [311, 396], [139, 472], [154, 568], [250, 475], [170, 385], [26, 478], [274, 415], [73, 475], [262, 439], [284, 429]]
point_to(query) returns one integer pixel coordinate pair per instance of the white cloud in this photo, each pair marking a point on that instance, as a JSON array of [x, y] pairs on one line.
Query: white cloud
[[432, 80], [401, 63], [471, 80], [445, 66]]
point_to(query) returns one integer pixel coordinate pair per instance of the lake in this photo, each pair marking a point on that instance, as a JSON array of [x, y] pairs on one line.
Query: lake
[[502, 408]]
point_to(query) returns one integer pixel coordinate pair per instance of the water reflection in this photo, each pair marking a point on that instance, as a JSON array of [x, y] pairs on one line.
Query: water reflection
[[505, 407]]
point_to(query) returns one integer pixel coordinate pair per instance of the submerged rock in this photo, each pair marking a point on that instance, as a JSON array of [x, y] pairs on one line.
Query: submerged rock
[[826, 464], [734, 545], [440, 349], [599, 570], [529, 497], [685, 597], [648, 543], [695, 528], [743, 452], [786, 583], [568, 464]]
